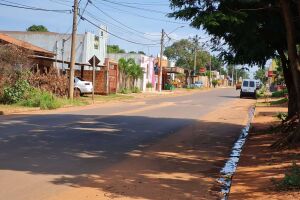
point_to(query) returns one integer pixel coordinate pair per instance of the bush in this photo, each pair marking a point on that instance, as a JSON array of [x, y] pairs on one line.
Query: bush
[[125, 91], [281, 93], [135, 90], [281, 116], [42, 99], [215, 83], [149, 85], [291, 179], [50, 81], [13, 94]]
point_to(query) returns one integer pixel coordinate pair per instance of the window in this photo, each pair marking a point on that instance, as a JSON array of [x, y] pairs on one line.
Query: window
[[245, 83], [252, 84], [96, 42]]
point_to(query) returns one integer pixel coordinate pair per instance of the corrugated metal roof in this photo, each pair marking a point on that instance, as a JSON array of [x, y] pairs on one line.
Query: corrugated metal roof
[[23, 44]]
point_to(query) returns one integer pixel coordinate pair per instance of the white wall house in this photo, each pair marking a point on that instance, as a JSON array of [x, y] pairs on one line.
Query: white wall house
[[146, 63], [87, 44]]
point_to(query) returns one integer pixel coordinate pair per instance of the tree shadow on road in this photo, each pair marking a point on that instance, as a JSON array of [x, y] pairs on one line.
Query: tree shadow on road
[[114, 157]]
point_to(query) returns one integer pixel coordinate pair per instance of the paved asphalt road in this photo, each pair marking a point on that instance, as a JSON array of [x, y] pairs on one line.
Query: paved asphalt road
[[39, 152]]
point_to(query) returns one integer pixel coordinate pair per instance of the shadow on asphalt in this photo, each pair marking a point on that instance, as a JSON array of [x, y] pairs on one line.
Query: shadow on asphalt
[[81, 150]]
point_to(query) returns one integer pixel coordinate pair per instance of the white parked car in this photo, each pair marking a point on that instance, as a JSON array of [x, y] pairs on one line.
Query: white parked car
[[248, 88], [82, 87]]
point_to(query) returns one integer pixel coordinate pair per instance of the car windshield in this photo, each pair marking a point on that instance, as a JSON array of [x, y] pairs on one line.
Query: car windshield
[[251, 83], [245, 83], [79, 78]]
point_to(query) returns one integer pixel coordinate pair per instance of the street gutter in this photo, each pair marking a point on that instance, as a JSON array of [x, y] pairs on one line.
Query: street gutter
[[231, 164]]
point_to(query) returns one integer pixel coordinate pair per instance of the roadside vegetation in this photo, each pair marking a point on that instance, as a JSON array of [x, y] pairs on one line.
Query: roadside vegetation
[[232, 23]]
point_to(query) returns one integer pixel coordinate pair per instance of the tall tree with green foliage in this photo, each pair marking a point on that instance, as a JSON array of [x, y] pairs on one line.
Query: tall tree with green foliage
[[114, 49], [247, 30], [260, 74], [130, 70], [183, 53], [37, 28]]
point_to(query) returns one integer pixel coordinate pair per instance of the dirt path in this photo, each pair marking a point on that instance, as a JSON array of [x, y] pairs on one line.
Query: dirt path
[[185, 165], [259, 164]]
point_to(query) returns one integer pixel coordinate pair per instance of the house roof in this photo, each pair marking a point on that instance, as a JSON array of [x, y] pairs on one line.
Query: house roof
[[10, 40]]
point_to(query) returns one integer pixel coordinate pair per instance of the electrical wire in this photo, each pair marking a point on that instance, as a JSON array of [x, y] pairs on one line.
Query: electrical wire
[[22, 6], [134, 7], [142, 16], [123, 23], [121, 38]]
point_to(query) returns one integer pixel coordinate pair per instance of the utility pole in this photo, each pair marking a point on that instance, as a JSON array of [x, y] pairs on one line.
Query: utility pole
[[73, 50], [232, 74], [160, 61], [210, 71], [195, 56]]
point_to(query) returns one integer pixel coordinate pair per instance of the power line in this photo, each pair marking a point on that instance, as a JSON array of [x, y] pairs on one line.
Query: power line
[[121, 38], [142, 16], [123, 23], [134, 7], [116, 26], [22, 6], [146, 4]]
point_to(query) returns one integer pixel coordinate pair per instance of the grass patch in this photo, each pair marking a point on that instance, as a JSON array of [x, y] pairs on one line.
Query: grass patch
[[107, 98], [47, 101], [272, 103], [291, 180]]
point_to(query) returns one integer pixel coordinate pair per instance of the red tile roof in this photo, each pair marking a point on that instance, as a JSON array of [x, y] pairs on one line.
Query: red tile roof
[[10, 40]]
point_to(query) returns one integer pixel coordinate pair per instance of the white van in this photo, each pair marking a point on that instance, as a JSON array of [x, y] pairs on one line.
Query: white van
[[248, 88]]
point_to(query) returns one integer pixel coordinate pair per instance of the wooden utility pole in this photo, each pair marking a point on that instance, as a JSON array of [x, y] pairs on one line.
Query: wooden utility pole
[[196, 41], [160, 61], [94, 75], [210, 71], [73, 50]]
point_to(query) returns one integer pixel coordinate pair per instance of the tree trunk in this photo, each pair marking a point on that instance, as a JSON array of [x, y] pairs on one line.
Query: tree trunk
[[291, 42], [292, 104]]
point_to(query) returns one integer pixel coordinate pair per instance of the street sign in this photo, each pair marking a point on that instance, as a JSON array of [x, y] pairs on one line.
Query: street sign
[[94, 59], [202, 70]]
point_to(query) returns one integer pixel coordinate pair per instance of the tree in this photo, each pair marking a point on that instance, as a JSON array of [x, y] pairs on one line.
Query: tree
[[260, 74], [130, 69], [247, 29], [141, 52], [37, 28], [239, 25], [114, 49], [183, 52]]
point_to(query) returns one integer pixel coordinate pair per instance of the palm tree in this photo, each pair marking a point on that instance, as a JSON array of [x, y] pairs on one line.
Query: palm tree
[[130, 69]]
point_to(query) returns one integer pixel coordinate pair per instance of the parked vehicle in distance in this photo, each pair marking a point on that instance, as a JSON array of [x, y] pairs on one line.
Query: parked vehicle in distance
[[248, 88], [197, 84], [82, 87], [258, 84], [238, 86]]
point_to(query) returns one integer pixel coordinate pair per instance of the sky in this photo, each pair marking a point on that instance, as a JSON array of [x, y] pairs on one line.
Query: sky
[[134, 20]]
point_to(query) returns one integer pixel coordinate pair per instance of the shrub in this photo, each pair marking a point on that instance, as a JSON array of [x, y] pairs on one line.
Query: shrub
[[125, 91], [13, 94], [50, 81], [149, 85], [281, 93], [135, 90], [42, 99], [214, 82], [291, 179], [281, 116]]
